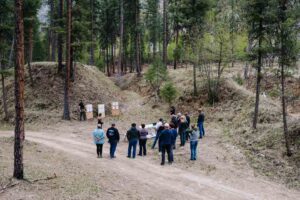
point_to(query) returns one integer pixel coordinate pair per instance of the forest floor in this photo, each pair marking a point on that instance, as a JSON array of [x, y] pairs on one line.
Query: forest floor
[[66, 150], [60, 158]]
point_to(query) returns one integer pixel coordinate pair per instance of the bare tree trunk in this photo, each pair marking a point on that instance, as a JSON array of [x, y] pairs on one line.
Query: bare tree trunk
[[120, 69], [258, 78], [4, 95], [19, 91], [66, 114], [112, 58], [176, 48], [53, 35], [92, 60], [283, 52], [165, 32], [137, 39], [107, 61], [60, 37], [30, 49]]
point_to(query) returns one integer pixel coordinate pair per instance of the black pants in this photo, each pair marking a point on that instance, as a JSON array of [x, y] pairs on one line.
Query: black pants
[[82, 116], [99, 149], [143, 150], [168, 148]]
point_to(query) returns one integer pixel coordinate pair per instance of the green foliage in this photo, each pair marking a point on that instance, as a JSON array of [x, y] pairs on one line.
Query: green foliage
[[168, 92], [238, 79], [156, 74]]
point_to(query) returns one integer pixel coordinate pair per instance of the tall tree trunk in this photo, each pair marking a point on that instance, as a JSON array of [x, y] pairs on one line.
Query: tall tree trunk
[[112, 57], [107, 61], [30, 49], [120, 69], [165, 32], [283, 55], [259, 76], [137, 38], [66, 114], [4, 95], [176, 47], [49, 43], [19, 90], [53, 39], [232, 33], [60, 36], [92, 60]]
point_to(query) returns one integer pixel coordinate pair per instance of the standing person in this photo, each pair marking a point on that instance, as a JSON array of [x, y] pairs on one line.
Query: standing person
[[143, 140], [182, 130], [172, 110], [113, 138], [99, 139], [200, 123], [165, 139], [132, 136], [174, 135], [82, 111], [100, 120], [158, 127], [188, 121], [174, 121], [194, 134]]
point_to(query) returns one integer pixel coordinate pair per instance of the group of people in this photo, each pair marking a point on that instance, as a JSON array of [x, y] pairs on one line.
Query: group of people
[[166, 135]]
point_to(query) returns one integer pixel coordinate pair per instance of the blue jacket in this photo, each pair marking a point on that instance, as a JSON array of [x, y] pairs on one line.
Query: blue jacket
[[201, 118], [99, 137], [165, 137], [174, 135]]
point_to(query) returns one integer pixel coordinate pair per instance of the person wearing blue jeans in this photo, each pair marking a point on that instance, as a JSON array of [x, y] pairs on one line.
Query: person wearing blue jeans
[[200, 123], [183, 126], [113, 138], [112, 150], [194, 134], [132, 136]]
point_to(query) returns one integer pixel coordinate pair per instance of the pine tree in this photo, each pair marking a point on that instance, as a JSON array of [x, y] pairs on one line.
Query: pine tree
[[19, 90]]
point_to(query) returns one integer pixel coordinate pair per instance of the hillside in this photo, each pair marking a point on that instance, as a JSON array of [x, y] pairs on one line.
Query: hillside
[[264, 148], [44, 101]]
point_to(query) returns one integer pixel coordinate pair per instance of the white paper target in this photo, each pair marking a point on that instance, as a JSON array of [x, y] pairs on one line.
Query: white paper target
[[89, 108], [115, 105], [101, 109]]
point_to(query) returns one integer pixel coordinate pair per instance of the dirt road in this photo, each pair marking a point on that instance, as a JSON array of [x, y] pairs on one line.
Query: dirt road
[[146, 179]]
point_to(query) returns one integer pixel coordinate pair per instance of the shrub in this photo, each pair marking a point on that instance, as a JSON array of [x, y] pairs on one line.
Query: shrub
[[168, 92]]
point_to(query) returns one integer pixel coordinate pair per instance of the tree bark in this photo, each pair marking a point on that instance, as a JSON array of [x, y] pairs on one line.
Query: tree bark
[[29, 57], [53, 39], [283, 55], [19, 91], [4, 94], [60, 37], [137, 39], [120, 69], [66, 114], [165, 32], [176, 47], [92, 52], [259, 75]]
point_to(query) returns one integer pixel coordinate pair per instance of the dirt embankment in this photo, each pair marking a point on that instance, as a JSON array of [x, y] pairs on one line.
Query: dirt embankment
[[44, 101]]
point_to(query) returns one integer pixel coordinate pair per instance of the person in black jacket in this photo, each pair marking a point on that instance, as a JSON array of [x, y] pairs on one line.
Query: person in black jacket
[[165, 141], [132, 136], [200, 123], [113, 138], [82, 111], [188, 121]]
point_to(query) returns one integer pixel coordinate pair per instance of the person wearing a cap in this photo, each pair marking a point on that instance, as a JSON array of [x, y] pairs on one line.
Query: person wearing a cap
[[132, 136], [200, 123], [113, 138], [165, 139], [158, 127], [99, 140]]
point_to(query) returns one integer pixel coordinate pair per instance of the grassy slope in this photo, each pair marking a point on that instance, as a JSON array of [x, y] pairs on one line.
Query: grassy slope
[[44, 101]]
